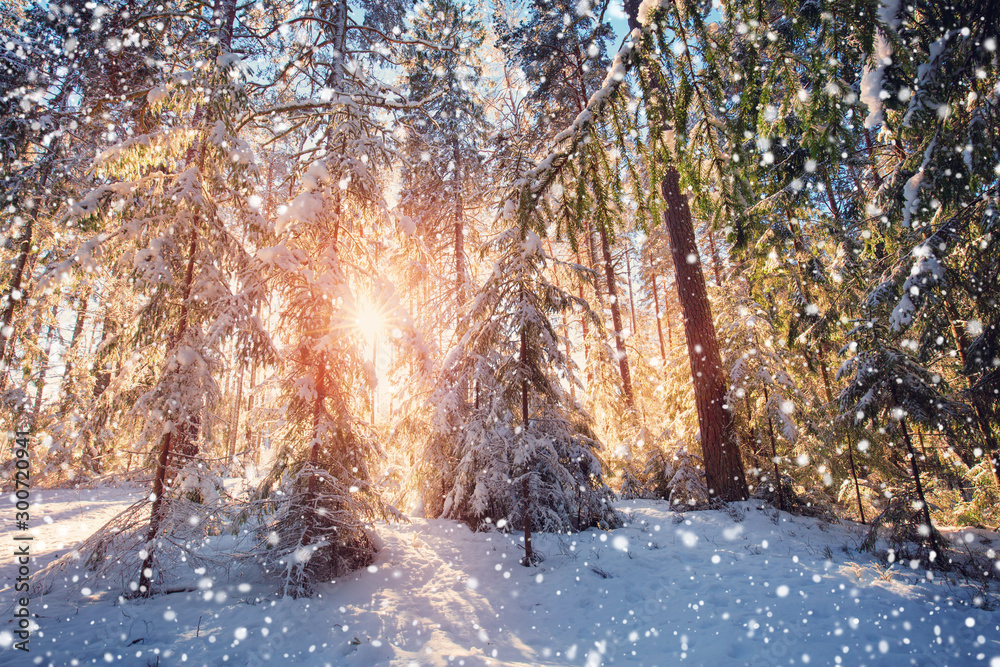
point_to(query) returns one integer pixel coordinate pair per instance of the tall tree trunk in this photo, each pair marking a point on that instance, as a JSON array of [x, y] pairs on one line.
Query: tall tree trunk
[[666, 316], [659, 321], [774, 453], [583, 327], [253, 449], [459, 234], [15, 295], [915, 469], [716, 261], [594, 264], [43, 370], [616, 319], [720, 446], [854, 476], [631, 297], [108, 330], [234, 428], [81, 315], [565, 326], [166, 466], [529, 554]]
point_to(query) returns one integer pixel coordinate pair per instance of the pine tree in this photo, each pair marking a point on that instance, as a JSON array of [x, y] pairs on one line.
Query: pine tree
[[174, 211], [887, 387], [321, 494], [521, 452], [723, 467], [762, 386], [443, 176]]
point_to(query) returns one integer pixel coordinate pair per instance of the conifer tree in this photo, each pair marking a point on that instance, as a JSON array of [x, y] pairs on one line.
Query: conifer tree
[[322, 494], [887, 387], [443, 176], [522, 450], [173, 210]]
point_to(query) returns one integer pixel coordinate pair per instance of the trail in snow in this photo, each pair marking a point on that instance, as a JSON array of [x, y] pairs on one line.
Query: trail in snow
[[746, 586]]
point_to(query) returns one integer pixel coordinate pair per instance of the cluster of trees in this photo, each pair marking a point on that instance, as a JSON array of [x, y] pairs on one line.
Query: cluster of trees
[[729, 249]]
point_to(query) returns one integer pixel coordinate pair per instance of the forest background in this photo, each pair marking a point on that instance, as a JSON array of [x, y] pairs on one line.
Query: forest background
[[502, 263]]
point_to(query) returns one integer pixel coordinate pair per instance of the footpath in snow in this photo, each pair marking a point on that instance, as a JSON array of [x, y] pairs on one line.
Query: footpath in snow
[[746, 586]]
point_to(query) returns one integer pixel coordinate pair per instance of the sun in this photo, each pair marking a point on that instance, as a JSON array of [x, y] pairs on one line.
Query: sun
[[370, 320]]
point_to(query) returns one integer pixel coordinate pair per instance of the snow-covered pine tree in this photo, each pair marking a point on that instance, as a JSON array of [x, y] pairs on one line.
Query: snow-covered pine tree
[[761, 389], [521, 452], [682, 103], [53, 76], [321, 493], [562, 48], [891, 390], [173, 211], [443, 182], [320, 524]]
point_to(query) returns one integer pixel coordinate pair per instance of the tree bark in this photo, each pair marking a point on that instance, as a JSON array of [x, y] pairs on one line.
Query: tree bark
[[915, 469], [659, 321], [459, 234], [43, 371], [81, 316], [234, 429], [254, 451], [723, 467], [857, 486], [529, 554], [15, 294], [166, 465], [716, 261], [583, 327], [774, 453], [631, 297], [616, 320]]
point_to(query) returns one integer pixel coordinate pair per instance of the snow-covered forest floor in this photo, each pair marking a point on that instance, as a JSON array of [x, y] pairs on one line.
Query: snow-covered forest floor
[[748, 585]]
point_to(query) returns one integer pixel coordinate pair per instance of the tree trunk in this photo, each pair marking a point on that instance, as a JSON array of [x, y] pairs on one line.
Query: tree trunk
[[723, 468], [529, 554], [81, 316], [719, 443], [166, 467], [774, 453], [15, 295], [583, 327], [254, 451], [616, 319], [915, 469], [716, 261], [565, 328], [659, 322], [234, 428], [459, 235], [631, 297], [857, 486], [666, 316], [592, 248], [103, 379], [42, 372]]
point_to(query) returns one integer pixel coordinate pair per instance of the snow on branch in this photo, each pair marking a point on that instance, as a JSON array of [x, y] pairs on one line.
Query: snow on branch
[[537, 179]]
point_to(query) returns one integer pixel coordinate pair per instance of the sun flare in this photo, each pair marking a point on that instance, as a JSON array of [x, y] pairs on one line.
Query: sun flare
[[370, 320]]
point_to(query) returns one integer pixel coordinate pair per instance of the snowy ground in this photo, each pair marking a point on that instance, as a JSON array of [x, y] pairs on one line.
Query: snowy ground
[[749, 586]]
